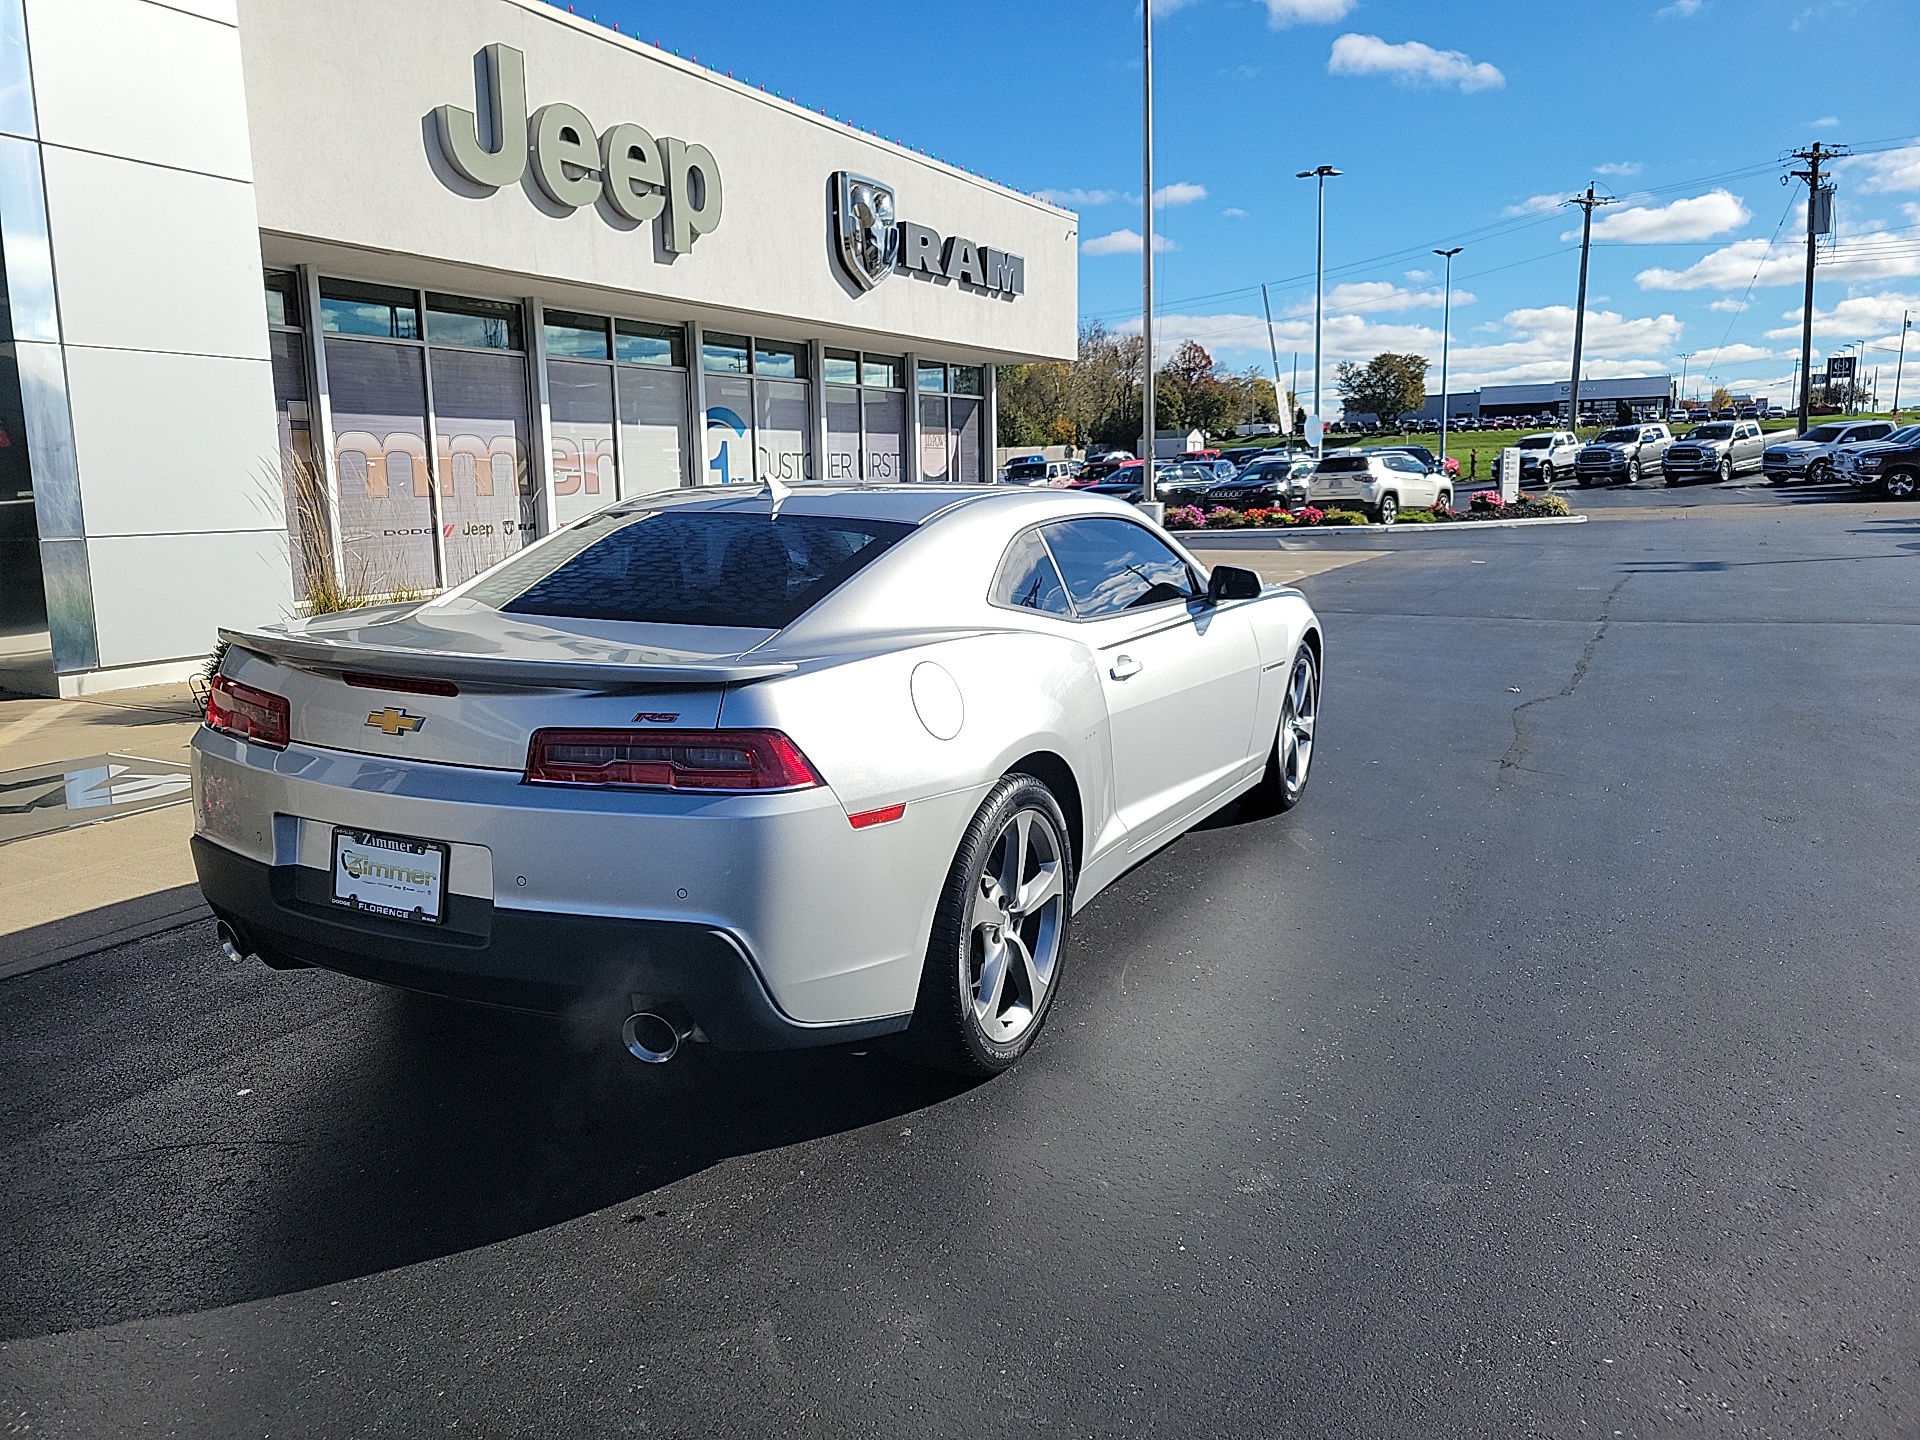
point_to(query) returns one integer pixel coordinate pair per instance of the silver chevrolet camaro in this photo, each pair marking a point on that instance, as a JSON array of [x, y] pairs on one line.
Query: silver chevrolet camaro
[[761, 770]]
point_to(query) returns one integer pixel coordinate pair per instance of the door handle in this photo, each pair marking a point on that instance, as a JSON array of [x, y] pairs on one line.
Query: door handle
[[1125, 667]]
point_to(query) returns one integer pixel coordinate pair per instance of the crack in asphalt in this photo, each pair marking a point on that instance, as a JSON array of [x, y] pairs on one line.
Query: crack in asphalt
[[1516, 751]]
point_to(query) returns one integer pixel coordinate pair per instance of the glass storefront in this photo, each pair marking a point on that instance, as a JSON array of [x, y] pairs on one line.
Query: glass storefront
[[432, 441]]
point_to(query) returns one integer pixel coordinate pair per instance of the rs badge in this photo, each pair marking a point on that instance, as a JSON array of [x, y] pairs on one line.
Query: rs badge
[[395, 722]]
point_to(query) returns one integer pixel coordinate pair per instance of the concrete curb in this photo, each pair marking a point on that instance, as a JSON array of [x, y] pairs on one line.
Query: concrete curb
[[1277, 538]]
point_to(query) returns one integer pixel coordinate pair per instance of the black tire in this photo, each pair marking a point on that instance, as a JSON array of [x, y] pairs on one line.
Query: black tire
[[1901, 484], [1585, 481], [1725, 472], [1820, 472], [1446, 499], [1389, 509], [1278, 791], [946, 1032]]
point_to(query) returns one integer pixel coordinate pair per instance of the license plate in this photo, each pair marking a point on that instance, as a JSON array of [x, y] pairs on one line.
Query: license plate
[[390, 875]]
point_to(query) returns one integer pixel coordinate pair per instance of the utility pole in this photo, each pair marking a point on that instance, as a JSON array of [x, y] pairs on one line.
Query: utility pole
[[1146, 251], [1819, 199], [1587, 203], [1319, 173], [1273, 350], [1446, 344], [1906, 324], [1684, 357]]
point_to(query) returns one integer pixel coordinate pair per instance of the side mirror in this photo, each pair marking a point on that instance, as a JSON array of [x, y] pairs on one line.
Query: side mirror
[[1230, 582]]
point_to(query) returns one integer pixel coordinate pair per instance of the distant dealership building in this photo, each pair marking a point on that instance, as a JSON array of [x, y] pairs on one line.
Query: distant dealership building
[[371, 294], [1634, 398]]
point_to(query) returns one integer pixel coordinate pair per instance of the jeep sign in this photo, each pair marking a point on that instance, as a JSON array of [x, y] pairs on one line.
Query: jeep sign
[[642, 178]]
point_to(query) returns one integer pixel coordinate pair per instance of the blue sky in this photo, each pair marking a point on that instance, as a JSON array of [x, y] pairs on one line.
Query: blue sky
[[1455, 124]]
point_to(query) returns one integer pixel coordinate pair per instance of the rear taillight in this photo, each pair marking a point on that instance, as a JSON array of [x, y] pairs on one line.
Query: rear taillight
[[256, 715], [670, 759]]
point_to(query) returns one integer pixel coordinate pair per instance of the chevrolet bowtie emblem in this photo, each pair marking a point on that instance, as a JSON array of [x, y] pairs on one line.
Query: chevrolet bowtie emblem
[[395, 722]]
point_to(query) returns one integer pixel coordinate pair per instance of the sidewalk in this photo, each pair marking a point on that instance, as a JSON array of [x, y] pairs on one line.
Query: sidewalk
[[103, 880]]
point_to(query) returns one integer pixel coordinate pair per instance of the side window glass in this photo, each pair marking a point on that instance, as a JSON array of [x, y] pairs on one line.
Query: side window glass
[[1028, 579], [1114, 565]]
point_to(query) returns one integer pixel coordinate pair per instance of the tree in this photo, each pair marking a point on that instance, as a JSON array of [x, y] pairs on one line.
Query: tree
[[1387, 386], [1722, 398]]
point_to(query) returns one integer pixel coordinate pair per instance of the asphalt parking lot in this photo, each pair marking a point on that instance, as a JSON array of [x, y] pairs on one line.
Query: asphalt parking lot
[[1550, 1071]]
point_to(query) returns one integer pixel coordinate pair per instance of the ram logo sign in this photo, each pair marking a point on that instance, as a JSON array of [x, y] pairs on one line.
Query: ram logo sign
[[872, 241]]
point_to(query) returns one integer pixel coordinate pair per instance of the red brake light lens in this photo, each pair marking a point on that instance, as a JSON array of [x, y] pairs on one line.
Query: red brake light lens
[[733, 760], [256, 715]]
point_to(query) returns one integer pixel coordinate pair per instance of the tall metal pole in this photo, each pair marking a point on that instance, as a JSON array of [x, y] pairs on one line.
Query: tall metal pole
[[1273, 350], [1446, 344], [1146, 250], [1906, 324], [1587, 203], [1815, 154], [1685, 356], [1319, 173]]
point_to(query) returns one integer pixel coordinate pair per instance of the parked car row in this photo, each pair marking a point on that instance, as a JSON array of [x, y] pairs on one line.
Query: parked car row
[[1815, 456]]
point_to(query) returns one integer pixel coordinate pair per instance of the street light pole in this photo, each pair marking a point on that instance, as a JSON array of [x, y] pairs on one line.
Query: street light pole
[[1906, 324], [1588, 203], [1319, 173], [1685, 355], [1146, 251], [1446, 344]]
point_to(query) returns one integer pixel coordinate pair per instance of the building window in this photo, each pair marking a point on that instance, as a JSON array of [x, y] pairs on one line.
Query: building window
[[866, 415], [759, 409], [951, 417], [414, 515], [303, 487], [619, 428]]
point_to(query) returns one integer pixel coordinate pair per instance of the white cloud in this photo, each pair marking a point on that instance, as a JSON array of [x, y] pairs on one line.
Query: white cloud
[[1180, 192], [1740, 354], [1853, 257], [1122, 242], [1232, 212], [1855, 317], [1529, 345], [1536, 205], [1888, 171], [1825, 122], [1621, 168], [1419, 277], [1728, 306], [1679, 10], [1167, 7], [1411, 63], [1699, 217], [1306, 12], [1078, 196], [1383, 296]]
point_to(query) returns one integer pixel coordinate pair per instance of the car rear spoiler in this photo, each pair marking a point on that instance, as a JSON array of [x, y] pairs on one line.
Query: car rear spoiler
[[309, 652]]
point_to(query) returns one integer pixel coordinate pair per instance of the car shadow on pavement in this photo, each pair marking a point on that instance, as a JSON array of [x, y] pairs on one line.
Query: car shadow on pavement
[[369, 1129]]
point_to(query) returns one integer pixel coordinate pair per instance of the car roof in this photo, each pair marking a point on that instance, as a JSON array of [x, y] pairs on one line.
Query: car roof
[[903, 504]]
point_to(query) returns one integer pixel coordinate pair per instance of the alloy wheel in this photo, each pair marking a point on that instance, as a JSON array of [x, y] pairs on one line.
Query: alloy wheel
[[1633, 472], [1389, 509], [1015, 929], [1298, 712], [1901, 484]]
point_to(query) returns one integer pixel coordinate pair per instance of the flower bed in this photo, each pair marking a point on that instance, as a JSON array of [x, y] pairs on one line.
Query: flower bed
[[1481, 505]]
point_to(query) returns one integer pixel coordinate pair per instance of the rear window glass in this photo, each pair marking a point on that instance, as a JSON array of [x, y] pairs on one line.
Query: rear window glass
[[1343, 465], [688, 567]]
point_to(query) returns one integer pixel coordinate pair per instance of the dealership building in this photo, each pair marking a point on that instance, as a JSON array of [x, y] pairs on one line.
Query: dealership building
[[355, 298]]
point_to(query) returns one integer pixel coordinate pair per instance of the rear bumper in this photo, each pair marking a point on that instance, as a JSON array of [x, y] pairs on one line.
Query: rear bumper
[[593, 966]]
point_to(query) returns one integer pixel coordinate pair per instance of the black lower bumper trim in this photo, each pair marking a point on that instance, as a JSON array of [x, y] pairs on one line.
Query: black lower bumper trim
[[592, 966]]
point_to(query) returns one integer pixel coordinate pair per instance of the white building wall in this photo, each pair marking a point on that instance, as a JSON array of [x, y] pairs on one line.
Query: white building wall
[[156, 259]]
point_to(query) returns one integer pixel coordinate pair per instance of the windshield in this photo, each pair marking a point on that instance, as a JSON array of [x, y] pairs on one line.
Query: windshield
[[1905, 435], [1824, 433], [688, 567], [1027, 467], [1712, 432], [1618, 437], [1537, 442]]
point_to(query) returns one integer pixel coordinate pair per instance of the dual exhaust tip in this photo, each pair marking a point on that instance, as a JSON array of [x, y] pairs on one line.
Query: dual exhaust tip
[[650, 1038]]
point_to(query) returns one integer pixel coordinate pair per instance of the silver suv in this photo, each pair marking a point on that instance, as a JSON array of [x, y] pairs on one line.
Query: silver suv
[[1814, 456], [1549, 458], [1618, 456], [1718, 450], [1381, 482]]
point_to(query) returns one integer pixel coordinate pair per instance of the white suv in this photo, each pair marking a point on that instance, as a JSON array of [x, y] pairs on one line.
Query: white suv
[[1380, 482]]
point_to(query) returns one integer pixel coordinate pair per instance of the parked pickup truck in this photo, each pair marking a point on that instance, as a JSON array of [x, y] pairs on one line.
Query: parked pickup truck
[[1548, 459], [1814, 456], [1891, 466], [1619, 456], [1718, 450]]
